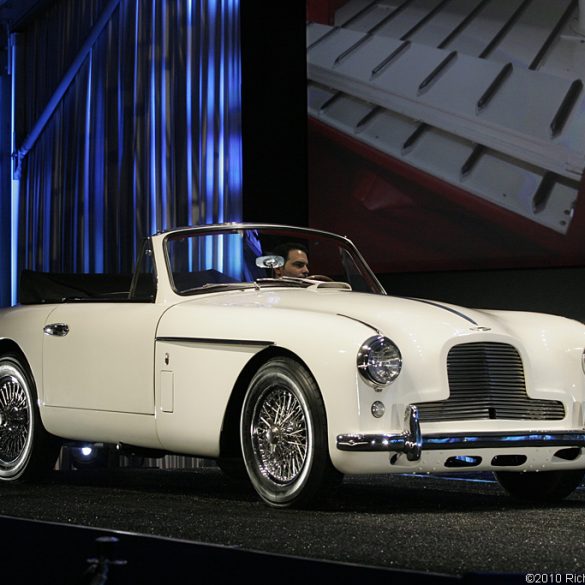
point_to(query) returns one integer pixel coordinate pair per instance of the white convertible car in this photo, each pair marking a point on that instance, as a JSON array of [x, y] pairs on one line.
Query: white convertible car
[[222, 345]]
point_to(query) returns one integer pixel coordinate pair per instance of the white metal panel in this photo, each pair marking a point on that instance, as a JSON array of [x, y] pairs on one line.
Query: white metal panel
[[362, 61], [326, 52], [450, 100], [525, 39], [440, 154], [574, 131], [317, 96], [438, 28], [457, 89], [402, 76], [478, 34], [510, 185], [379, 89], [388, 132], [101, 426], [360, 17], [353, 8], [566, 56], [345, 112], [315, 32], [400, 24], [560, 205], [501, 180], [527, 103]]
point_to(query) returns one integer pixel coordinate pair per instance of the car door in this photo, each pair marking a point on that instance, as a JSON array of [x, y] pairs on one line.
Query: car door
[[100, 356]]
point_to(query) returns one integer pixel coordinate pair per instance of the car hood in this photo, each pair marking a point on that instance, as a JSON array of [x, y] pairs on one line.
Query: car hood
[[383, 313]]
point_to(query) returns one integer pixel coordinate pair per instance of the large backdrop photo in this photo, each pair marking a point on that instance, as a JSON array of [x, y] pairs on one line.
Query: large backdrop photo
[[447, 138]]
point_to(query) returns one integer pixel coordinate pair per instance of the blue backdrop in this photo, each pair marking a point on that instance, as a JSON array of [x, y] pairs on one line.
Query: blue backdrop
[[130, 126]]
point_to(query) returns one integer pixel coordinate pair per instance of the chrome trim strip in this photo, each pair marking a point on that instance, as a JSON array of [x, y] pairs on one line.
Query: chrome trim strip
[[499, 440], [440, 306], [385, 442], [411, 442], [364, 323], [215, 341], [250, 226]]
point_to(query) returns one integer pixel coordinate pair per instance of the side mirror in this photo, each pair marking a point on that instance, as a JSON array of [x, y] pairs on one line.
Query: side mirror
[[270, 262]]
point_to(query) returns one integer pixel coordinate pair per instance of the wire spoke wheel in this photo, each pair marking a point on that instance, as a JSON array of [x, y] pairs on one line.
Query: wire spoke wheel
[[283, 433], [280, 438], [26, 449], [16, 420]]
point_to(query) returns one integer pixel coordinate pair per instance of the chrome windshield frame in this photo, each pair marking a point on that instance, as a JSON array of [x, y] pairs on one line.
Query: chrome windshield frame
[[227, 228]]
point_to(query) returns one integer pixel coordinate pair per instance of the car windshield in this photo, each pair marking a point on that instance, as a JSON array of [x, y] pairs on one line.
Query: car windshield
[[218, 259]]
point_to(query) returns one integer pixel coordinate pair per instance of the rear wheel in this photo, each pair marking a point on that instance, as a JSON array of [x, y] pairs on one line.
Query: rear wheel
[[27, 451], [284, 435], [541, 486]]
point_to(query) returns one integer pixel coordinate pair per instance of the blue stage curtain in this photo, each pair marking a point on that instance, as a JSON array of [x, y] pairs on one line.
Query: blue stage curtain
[[147, 136]]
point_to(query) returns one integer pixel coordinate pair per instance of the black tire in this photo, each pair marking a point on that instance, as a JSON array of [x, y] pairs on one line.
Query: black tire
[[283, 431], [27, 451], [541, 486]]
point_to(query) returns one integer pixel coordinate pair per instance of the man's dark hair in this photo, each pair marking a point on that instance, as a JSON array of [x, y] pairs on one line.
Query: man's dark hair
[[284, 249]]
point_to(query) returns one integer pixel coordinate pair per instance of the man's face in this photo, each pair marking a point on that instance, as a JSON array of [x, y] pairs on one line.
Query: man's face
[[297, 265]]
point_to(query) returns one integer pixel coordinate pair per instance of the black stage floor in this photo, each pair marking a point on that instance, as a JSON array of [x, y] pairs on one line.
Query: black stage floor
[[435, 526]]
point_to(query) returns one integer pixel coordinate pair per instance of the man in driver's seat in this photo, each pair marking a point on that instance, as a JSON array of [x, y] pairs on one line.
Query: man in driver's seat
[[296, 260]]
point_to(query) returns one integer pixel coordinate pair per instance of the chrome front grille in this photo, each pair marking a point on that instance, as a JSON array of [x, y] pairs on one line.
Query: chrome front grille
[[486, 381]]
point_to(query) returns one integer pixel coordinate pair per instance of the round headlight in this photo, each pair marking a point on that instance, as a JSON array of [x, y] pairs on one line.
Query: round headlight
[[379, 360]]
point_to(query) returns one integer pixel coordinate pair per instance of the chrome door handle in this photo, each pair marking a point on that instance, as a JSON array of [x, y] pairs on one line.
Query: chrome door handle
[[57, 329]]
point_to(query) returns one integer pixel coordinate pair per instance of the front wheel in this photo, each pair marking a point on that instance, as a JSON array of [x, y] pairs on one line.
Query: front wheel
[[540, 486], [283, 431], [27, 451]]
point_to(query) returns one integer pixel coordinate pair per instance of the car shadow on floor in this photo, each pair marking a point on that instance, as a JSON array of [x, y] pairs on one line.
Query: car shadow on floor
[[381, 494]]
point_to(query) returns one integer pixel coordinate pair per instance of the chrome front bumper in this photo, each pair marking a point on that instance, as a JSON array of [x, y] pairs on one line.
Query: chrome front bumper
[[411, 442]]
